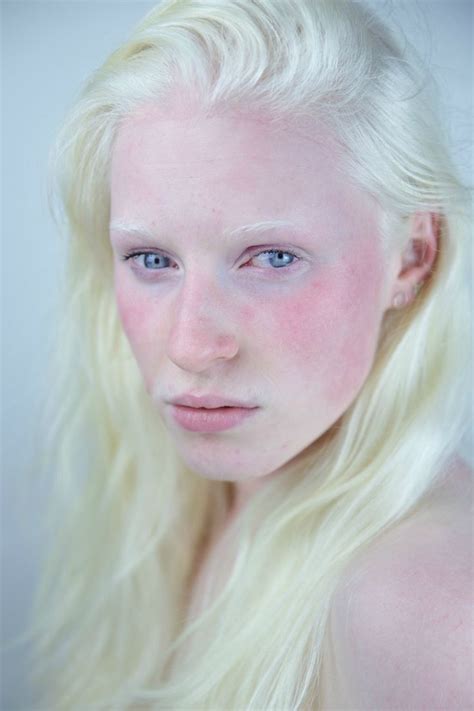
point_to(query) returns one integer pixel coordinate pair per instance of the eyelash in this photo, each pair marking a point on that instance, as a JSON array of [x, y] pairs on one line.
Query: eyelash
[[134, 254]]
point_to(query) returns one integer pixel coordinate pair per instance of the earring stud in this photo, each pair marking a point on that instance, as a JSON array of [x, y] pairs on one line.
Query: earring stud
[[401, 299], [398, 300]]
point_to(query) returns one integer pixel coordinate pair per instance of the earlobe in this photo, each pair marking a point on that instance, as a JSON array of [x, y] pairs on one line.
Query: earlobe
[[402, 298], [417, 258]]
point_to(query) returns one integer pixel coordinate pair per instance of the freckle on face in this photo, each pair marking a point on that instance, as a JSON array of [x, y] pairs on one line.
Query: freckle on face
[[304, 346]]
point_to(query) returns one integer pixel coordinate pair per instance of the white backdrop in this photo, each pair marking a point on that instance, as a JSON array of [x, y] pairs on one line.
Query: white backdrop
[[49, 49]]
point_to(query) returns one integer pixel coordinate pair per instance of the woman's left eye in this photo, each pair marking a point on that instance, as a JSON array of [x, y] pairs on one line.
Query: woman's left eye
[[279, 257]]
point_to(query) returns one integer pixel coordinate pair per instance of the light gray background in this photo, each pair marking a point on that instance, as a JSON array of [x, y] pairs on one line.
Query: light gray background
[[49, 49]]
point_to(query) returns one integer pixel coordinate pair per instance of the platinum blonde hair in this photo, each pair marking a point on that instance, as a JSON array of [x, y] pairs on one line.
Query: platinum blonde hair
[[127, 516]]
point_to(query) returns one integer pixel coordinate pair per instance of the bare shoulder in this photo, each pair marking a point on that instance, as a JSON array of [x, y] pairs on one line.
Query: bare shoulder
[[454, 491], [437, 537], [403, 617]]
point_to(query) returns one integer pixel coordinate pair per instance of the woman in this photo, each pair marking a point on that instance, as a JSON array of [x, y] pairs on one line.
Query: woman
[[261, 374]]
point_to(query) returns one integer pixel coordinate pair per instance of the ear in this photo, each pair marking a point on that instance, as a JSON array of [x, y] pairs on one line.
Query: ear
[[416, 260]]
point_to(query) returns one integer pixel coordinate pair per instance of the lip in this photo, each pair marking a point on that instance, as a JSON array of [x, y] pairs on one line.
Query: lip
[[209, 401], [201, 419]]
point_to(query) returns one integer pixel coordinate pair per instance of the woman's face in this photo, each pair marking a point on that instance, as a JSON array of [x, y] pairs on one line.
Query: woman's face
[[247, 266]]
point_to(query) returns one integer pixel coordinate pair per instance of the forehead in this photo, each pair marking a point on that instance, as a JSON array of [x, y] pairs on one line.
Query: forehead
[[169, 163]]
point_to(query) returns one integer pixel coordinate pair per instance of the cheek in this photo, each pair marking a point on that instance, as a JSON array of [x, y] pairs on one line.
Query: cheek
[[139, 324], [129, 308], [328, 333]]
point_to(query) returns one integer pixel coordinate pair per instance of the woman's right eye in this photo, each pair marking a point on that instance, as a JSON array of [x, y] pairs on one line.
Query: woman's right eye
[[149, 261]]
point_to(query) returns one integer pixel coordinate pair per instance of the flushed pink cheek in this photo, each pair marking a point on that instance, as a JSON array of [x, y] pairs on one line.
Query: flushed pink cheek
[[329, 331], [134, 313], [128, 308]]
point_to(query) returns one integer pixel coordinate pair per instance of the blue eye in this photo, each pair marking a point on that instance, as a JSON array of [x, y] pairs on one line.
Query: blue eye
[[281, 258], [153, 260], [150, 261]]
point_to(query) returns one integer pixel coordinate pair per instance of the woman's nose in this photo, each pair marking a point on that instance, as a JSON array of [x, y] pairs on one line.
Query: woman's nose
[[201, 332]]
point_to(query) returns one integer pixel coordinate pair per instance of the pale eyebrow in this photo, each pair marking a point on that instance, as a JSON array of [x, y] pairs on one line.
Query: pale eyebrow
[[228, 233], [264, 226], [131, 228]]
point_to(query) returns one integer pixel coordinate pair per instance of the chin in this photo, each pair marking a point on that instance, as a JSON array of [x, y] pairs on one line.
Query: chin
[[232, 469]]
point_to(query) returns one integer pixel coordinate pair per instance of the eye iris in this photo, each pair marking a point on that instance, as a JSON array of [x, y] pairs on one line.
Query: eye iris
[[151, 261], [283, 259]]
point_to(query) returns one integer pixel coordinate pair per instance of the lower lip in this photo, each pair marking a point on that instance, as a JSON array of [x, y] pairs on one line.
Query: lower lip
[[215, 420]]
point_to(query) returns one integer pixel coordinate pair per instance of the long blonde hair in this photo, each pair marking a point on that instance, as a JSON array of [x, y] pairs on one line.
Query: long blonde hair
[[126, 515]]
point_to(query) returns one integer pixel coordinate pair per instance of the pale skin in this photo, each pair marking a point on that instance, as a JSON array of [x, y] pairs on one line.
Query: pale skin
[[213, 314], [402, 616], [292, 334]]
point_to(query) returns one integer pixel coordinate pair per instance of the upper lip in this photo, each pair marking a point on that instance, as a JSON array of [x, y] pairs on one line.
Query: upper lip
[[208, 401]]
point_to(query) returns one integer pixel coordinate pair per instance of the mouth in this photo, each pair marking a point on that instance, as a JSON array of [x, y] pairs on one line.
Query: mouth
[[210, 419], [210, 402]]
